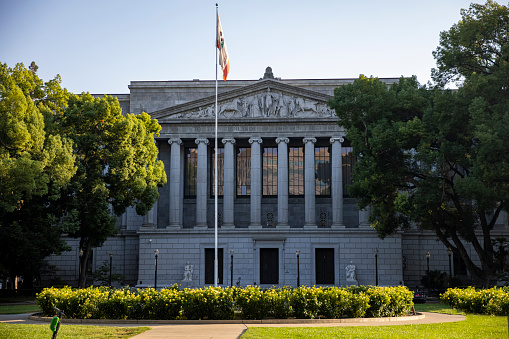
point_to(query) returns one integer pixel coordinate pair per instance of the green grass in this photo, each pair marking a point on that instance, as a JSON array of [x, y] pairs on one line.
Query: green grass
[[474, 327], [17, 309], [9, 331]]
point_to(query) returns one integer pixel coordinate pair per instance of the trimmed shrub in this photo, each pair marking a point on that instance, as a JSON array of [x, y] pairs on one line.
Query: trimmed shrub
[[493, 301]]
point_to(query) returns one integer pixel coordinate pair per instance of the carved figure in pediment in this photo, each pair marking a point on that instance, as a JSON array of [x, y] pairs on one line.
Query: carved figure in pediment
[[230, 107], [306, 106], [254, 106], [281, 107]]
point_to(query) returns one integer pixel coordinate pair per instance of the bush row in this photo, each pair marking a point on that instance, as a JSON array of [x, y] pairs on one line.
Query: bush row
[[493, 301], [223, 303]]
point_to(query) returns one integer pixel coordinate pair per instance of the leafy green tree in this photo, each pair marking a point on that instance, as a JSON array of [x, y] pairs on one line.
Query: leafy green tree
[[35, 165], [438, 157], [117, 167]]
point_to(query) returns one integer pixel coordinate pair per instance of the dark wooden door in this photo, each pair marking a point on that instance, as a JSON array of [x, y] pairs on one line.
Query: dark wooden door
[[324, 264], [269, 266], [209, 265]]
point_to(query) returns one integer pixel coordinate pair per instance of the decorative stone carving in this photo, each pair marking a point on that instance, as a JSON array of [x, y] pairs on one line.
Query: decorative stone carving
[[188, 272], [266, 104]]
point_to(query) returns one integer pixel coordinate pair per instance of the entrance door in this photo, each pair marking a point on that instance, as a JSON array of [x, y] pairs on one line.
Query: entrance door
[[209, 265], [269, 266], [324, 265]]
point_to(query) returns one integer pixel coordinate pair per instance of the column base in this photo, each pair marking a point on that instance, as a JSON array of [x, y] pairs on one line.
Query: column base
[[173, 227], [201, 227], [228, 227], [310, 226], [255, 227], [365, 226], [337, 226], [145, 226], [284, 226]]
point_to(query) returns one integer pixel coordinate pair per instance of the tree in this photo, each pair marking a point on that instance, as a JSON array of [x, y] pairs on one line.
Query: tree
[[438, 157], [35, 165], [117, 167]]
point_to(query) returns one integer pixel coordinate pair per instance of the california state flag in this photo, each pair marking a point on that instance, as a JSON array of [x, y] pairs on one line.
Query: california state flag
[[223, 52]]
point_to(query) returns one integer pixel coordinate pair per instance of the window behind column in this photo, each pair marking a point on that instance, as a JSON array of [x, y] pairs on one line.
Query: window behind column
[[243, 171], [269, 179], [322, 171], [220, 171], [191, 166], [296, 171], [348, 160]]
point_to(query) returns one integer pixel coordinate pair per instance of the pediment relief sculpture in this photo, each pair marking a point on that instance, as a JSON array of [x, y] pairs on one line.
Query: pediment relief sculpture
[[269, 104]]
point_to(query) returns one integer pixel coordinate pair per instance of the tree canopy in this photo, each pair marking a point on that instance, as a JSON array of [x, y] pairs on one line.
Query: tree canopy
[[117, 166], [438, 157], [35, 165]]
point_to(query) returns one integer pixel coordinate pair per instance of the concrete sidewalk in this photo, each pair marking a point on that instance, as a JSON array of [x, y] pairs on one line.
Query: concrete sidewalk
[[233, 329]]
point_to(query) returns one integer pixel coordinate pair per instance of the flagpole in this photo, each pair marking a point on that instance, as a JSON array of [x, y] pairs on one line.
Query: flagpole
[[216, 275]]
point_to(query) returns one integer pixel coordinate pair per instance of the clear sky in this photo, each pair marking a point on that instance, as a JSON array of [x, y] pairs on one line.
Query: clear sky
[[100, 46]]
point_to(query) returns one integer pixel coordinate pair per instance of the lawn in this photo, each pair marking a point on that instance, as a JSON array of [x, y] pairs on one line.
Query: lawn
[[474, 327], [9, 331], [17, 309]]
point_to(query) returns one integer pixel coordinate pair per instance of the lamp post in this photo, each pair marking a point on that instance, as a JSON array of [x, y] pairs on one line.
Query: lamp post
[[449, 252], [80, 270], [298, 268], [231, 268], [156, 254], [427, 260], [111, 260], [376, 266]]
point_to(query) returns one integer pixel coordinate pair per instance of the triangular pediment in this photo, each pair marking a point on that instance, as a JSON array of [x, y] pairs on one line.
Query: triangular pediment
[[266, 99]]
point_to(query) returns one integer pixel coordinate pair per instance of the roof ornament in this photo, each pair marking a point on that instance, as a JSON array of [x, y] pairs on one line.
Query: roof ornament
[[268, 74]]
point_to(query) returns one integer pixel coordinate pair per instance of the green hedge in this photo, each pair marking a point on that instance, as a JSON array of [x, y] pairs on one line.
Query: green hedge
[[493, 301], [222, 303]]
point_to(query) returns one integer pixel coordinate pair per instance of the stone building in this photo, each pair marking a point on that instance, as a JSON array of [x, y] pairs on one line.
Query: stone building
[[284, 214]]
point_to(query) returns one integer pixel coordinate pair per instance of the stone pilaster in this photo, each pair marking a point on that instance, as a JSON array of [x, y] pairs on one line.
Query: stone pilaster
[[229, 184], [309, 182], [337, 183], [256, 183], [175, 183], [201, 184], [282, 182]]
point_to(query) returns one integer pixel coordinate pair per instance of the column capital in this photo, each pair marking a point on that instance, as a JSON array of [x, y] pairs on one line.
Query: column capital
[[258, 140], [225, 140], [178, 141], [280, 140], [336, 139], [311, 140], [200, 140]]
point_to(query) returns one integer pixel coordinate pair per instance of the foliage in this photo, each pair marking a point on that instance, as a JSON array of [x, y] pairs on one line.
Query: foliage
[[433, 157], [436, 280], [493, 301], [220, 303], [36, 164], [102, 274], [117, 166]]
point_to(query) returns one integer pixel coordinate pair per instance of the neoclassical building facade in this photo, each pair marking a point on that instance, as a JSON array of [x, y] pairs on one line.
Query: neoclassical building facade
[[284, 213]]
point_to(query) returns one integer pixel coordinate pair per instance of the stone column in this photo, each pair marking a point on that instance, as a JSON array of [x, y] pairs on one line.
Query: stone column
[[201, 184], [364, 217], [229, 183], [337, 183], [148, 219], [256, 183], [175, 183], [282, 182], [309, 182]]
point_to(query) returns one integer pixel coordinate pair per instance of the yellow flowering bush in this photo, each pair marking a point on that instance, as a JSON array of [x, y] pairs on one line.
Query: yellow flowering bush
[[493, 301], [252, 302]]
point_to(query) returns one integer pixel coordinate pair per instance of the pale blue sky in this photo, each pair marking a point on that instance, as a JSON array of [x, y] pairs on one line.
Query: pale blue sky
[[100, 46]]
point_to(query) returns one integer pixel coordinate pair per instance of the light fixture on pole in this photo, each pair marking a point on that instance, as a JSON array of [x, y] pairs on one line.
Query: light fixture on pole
[[298, 268], [79, 265], [156, 254], [231, 268], [111, 260], [376, 266], [449, 252]]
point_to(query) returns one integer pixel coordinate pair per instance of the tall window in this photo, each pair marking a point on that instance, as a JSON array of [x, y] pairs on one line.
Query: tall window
[[322, 171], [296, 171], [269, 171], [348, 161], [243, 171], [209, 265], [220, 171], [191, 166]]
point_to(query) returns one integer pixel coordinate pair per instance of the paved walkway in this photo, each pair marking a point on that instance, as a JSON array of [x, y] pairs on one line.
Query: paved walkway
[[235, 329]]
